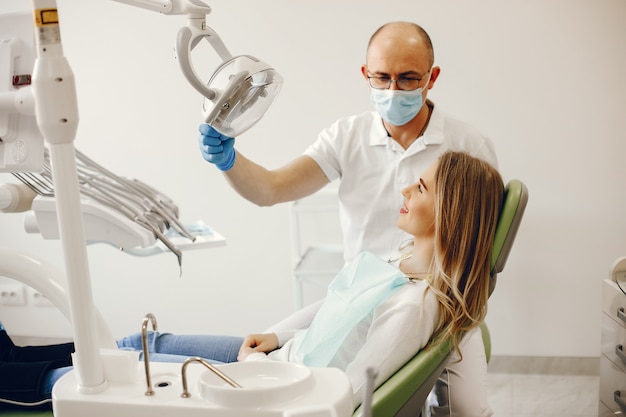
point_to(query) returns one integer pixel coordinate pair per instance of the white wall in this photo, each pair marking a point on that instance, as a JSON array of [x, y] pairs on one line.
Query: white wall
[[544, 78]]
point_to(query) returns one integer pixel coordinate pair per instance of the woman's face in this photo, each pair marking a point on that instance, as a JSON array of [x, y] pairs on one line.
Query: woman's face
[[417, 216]]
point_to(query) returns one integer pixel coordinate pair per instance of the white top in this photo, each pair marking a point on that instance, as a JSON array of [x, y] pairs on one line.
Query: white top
[[373, 169], [386, 339]]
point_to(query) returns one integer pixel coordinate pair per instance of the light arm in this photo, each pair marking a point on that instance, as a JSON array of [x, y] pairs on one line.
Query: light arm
[[180, 7], [160, 6], [188, 37]]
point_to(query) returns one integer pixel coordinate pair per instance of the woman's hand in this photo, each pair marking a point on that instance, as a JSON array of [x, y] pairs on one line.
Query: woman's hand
[[257, 343]]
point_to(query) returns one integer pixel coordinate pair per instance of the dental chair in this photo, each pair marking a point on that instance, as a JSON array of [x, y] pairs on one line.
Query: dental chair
[[404, 393]]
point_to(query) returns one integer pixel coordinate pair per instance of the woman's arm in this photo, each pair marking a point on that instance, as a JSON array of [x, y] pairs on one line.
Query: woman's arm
[[257, 346], [257, 343]]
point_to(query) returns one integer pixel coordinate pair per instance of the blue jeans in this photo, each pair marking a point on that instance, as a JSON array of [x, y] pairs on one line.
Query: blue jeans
[[167, 347], [52, 377]]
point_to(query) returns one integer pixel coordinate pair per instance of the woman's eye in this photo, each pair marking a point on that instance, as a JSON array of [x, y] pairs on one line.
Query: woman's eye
[[419, 188]]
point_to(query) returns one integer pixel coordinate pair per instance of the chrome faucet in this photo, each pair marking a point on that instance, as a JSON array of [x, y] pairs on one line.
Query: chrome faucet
[[144, 344], [225, 378]]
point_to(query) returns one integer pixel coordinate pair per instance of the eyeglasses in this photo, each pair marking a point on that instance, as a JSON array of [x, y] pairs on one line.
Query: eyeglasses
[[404, 83]]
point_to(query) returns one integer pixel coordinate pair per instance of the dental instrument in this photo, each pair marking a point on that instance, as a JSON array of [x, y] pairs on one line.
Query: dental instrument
[[117, 194], [110, 203]]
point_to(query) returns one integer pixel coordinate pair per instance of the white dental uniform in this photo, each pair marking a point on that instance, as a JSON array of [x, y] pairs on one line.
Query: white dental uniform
[[373, 169]]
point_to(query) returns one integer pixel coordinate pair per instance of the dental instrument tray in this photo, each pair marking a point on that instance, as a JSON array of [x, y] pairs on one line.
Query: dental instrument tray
[[125, 213]]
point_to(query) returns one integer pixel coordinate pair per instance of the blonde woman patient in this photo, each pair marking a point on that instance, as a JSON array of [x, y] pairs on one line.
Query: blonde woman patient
[[451, 212], [380, 314]]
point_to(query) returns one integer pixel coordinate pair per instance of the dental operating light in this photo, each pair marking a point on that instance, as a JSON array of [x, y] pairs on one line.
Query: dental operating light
[[245, 88], [239, 91]]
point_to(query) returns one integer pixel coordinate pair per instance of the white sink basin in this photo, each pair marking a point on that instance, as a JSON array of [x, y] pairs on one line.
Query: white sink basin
[[272, 389], [263, 383]]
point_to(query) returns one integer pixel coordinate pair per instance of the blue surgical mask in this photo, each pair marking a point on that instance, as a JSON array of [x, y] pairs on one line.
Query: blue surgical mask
[[397, 107]]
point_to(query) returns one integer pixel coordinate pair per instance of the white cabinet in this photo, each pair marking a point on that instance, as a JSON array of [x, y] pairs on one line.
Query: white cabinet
[[613, 358], [317, 250]]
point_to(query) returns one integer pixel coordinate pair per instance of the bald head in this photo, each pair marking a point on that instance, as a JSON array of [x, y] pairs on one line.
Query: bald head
[[406, 34]]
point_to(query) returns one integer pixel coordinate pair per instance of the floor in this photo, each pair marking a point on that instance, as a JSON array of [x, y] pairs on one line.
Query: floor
[[544, 387]]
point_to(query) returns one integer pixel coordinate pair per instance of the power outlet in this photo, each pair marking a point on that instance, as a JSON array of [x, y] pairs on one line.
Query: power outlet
[[40, 300], [12, 295]]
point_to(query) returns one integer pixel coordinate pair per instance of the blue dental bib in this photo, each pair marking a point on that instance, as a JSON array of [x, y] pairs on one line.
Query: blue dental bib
[[356, 291]]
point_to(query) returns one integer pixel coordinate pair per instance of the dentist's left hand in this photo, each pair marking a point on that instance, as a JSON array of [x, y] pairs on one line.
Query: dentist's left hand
[[216, 148]]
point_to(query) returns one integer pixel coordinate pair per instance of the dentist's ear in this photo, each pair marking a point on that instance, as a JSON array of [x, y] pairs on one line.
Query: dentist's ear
[[434, 74], [364, 72]]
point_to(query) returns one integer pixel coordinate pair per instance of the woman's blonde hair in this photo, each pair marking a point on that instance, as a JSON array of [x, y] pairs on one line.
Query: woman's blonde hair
[[469, 195]]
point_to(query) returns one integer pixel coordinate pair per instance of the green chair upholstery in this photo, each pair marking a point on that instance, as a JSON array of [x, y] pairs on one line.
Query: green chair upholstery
[[515, 200], [405, 392], [484, 330]]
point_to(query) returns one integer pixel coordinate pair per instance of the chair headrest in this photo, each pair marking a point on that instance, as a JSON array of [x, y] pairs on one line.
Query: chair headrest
[[513, 206]]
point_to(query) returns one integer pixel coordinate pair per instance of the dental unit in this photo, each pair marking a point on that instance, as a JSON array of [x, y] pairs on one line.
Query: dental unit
[[68, 196]]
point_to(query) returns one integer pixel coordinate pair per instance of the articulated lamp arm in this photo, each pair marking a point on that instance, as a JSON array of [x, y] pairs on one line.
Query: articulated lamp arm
[[241, 89], [188, 36]]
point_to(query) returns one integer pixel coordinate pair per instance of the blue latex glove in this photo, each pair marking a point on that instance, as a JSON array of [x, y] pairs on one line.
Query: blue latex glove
[[216, 148]]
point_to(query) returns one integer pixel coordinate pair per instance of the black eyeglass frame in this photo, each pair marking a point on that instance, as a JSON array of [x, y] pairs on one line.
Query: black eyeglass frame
[[397, 81]]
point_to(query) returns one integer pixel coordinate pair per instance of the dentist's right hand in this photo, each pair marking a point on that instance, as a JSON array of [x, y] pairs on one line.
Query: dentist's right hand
[[216, 148]]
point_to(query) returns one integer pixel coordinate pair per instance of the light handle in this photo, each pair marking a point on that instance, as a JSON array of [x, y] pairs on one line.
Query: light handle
[[188, 38]]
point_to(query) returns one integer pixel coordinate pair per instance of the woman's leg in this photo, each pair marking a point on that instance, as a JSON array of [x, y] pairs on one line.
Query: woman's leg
[[52, 377], [167, 347]]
